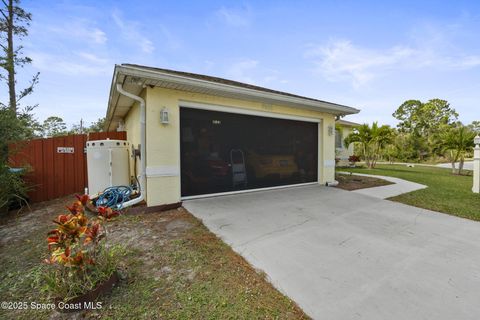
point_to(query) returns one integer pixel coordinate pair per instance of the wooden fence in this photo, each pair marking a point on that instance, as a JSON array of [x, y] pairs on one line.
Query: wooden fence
[[57, 166]]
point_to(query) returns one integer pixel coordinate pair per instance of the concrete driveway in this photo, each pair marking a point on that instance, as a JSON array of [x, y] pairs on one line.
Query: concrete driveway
[[468, 165], [344, 255]]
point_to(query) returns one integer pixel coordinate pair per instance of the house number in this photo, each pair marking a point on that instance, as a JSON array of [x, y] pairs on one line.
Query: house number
[[65, 149]]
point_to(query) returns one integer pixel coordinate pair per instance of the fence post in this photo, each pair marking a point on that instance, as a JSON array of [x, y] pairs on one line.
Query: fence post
[[476, 165]]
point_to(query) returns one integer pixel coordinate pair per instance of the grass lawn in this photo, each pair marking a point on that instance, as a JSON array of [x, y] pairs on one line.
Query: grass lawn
[[446, 192], [175, 269]]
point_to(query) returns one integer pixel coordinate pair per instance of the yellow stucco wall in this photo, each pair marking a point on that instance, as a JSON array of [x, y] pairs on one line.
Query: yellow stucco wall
[[132, 126], [346, 151], [163, 141]]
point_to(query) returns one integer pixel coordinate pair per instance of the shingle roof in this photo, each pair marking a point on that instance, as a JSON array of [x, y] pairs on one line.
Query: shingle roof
[[225, 81], [347, 123]]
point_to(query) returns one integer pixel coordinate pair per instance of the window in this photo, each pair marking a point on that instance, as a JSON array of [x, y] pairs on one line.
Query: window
[[338, 139]]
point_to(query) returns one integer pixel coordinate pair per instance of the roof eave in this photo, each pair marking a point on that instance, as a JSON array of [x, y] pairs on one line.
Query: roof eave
[[226, 88]]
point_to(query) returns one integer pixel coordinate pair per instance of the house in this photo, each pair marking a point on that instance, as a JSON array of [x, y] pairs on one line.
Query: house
[[343, 152], [199, 135]]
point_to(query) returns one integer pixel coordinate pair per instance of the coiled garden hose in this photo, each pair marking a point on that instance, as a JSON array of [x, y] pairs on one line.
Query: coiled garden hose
[[114, 197]]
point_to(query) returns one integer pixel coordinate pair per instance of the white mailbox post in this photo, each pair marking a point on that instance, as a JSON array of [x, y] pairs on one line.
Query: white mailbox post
[[476, 165]]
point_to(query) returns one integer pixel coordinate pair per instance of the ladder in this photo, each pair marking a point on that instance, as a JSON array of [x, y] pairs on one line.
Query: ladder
[[239, 170]]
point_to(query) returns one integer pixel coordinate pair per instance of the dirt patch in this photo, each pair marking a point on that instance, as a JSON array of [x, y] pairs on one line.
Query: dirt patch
[[20, 224], [353, 182], [173, 268]]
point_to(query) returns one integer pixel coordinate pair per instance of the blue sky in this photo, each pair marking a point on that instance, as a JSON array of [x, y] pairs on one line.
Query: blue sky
[[367, 54]]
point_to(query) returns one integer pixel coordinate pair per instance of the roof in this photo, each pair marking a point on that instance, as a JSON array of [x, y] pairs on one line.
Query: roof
[[347, 123], [135, 77]]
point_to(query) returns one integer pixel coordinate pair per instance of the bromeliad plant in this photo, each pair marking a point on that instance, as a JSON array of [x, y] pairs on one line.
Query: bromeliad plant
[[353, 159], [79, 259]]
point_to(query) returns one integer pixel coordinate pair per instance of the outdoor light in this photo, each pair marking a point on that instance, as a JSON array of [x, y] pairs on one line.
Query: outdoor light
[[476, 140], [164, 116]]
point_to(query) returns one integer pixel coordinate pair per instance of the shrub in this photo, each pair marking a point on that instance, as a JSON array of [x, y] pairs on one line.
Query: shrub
[[79, 257], [13, 190], [354, 158]]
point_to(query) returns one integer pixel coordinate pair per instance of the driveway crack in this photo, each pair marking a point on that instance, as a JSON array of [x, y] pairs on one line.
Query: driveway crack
[[276, 231]]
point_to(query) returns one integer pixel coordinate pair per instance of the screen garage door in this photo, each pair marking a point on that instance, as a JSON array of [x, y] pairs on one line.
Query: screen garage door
[[223, 152]]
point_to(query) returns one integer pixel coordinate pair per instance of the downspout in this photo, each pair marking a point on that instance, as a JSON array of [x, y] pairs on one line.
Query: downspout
[[141, 177]]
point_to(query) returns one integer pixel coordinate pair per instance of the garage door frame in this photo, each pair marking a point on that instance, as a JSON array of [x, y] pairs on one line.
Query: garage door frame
[[250, 112]]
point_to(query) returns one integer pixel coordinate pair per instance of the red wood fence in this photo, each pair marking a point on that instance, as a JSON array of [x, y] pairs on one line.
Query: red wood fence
[[57, 166]]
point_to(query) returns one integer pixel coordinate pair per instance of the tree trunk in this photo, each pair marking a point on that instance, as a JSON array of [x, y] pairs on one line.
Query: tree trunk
[[454, 159], [454, 170], [460, 165], [11, 59]]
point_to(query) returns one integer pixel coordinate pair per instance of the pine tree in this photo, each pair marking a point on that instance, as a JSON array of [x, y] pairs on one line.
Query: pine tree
[[14, 23]]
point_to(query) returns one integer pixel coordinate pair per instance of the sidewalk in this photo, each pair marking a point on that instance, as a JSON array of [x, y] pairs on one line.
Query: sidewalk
[[399, 187]]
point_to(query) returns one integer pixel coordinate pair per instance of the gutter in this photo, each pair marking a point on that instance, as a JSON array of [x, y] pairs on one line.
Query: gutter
[[143, 160], [163, 76], [322, 106]]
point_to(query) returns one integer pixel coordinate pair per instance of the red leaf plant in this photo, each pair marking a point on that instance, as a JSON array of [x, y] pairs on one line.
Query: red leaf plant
[[74, 243], [84, 199], [107, 213], [79, 258]]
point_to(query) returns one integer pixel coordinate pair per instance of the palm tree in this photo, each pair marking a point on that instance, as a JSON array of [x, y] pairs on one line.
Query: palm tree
[[456, 141], [372, 141]]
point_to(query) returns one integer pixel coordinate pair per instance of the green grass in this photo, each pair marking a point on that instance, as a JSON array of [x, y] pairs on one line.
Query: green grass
[[205, 280], [173, 268], [446, 192]]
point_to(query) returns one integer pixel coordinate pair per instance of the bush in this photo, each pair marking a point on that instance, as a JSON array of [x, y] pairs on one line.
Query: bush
[[13, 128], [13, 190], [79, 258], [354, 158]]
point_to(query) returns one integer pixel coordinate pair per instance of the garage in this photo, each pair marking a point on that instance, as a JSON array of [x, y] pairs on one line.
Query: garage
[[227, 151], [199, 135]]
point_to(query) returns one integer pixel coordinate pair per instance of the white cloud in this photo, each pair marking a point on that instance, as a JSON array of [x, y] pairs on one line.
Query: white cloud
[[242, 70], [131, 31], [235, 17], [98, 36], [341, 60], [82, 30], [75, 65], [92, 58], [252, 72]]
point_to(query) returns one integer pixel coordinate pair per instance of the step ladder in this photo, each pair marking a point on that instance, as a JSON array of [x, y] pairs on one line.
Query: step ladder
[[239, 170]]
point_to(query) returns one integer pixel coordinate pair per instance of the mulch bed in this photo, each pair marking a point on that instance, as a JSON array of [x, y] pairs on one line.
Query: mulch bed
[[353, 182]]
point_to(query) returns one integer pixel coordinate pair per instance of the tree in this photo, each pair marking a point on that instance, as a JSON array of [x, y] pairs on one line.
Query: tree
[[54, 126], [475, 126], [456, 141], [97, 126], [78, 128], [424, 118], [15, 123], [421, 122], [372, 141], [14, 23]]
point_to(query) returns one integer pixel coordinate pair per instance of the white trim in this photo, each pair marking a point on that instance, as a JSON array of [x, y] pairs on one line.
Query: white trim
[[163, 171], [320, 145], [179, 141], [239, 110], [209, 195], [222, 88], [329, 164], [180, 79]]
